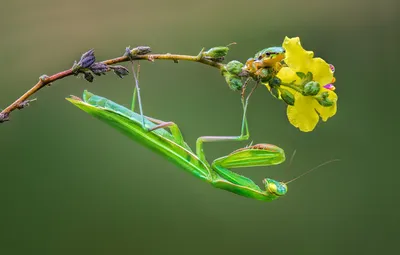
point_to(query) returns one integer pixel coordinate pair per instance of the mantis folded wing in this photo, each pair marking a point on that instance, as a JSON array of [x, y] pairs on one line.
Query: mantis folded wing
[[171, 145]]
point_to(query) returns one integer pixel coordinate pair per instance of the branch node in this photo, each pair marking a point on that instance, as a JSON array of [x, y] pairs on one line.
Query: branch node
[[200, 55], [173, 59], [150, 58], [25, 103], [43, 79], [4, 117]]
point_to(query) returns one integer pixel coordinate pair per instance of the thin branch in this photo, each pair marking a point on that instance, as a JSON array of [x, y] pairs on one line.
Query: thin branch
[[4, 115]]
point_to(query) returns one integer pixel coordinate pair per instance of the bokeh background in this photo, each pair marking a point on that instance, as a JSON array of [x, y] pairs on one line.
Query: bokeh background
[[69, 184]]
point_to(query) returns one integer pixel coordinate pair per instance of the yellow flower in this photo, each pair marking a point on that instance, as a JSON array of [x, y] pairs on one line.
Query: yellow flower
[[306, 111]]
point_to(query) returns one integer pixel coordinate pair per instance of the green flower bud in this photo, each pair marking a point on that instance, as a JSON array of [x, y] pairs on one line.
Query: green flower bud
[[88, 76], [324, 94], [311, 88], [275, 91], [326, 102], [234, 67], [275, 81], [265, 74], [234, 81], [309, 77], [287, 96], [216, 52]]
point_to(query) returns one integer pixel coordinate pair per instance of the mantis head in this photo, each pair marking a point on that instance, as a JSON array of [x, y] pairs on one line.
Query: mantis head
[[275, 188]]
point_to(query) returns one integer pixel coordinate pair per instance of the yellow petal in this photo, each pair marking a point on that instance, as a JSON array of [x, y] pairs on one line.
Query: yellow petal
[[297, 58], [303, 115], [321, 71], [287, 75], [327, 112]]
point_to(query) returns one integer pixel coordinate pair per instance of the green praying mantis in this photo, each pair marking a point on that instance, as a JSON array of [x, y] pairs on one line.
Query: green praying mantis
[[173, 147], [154, 134]]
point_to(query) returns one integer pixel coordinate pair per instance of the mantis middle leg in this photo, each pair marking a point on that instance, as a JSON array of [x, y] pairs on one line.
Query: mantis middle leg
[[244, 134]]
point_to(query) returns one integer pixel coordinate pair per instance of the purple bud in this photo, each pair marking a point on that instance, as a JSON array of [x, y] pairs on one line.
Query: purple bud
[[120, 71], [140, 50], [99, 68], [87, 59]]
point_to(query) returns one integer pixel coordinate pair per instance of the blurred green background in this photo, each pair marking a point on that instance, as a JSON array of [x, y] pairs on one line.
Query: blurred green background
[[69, 184]]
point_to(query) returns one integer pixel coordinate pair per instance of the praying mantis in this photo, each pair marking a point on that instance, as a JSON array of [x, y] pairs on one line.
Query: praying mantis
[[172, 146]]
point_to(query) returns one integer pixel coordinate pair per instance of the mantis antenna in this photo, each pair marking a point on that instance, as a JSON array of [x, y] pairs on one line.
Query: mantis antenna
[[291, 160], [312, 169]]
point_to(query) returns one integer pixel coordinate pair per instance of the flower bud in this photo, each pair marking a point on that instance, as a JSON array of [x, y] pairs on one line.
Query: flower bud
[[87, 59], [88, 76], [325, 94], [120, 71], [99, 68], [323, 99], [275, 81], [287, 96], [234, 67], [140, 50], [326, 102], [265, 74], [274, 91], [311, 88], [216, 52], [234, 81]]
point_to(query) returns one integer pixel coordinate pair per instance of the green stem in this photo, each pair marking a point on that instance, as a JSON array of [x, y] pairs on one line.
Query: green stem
[[292, 86]]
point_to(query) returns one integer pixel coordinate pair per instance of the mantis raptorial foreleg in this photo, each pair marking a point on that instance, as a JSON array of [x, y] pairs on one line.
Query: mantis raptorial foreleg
[[256, 155], [175, 131]]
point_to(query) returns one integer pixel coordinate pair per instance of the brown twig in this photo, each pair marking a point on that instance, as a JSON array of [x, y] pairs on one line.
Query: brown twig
[[4, 115]]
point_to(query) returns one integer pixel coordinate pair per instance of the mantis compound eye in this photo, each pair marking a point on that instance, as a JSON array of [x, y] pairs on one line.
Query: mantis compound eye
[[275, 187]]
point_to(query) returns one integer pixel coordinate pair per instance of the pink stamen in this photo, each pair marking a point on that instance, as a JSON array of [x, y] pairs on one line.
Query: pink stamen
[[330, 87], [332, 68]]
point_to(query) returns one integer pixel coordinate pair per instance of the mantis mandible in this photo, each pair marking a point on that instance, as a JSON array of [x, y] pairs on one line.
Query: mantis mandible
[[171, 145]]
